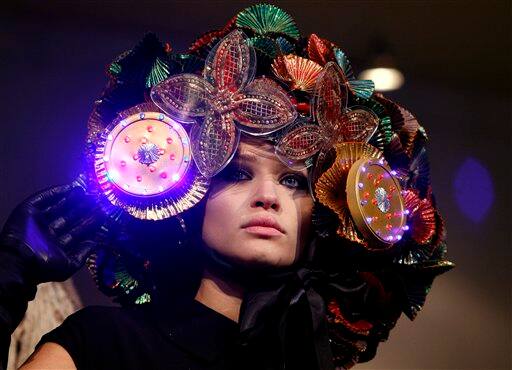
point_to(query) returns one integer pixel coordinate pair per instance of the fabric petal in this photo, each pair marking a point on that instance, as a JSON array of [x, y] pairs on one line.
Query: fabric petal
[[330, 99], [263, 107], [359, 125], [214, 143], [183, 96], [231, 64], [299, 144]]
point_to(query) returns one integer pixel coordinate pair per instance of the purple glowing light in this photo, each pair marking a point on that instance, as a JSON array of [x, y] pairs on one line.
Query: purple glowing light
[[474, 190]]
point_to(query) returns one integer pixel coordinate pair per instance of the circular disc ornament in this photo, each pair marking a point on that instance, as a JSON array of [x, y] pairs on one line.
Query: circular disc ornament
[[143, 164], [375, 202], [146, 154]]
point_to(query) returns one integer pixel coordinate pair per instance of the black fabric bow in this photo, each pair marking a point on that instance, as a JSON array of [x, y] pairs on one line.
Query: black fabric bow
[[291, 307]]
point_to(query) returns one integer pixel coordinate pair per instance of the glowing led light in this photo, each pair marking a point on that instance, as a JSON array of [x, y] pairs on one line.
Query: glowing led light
[[127, 139], [150, 128], [135, 157], [161, 151], [381, 161], [175, 177], [406, 212], [363, 169], [406, 227], [142, 115], [398, 237], [186, 158], [360, 185], [172, 157], [144, 140], [152, 168], [124, 123], [113, 175], [184, 140], [393, 172], [139, 178], [163, 175], [363, 202], [106, 158], [161, 117], [390, 238], [123, 163], [169, 140], [110, 137], [369, 219], [160, 188], [126, 186]]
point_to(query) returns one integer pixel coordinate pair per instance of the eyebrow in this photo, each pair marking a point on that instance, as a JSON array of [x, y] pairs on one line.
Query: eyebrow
[[253, 158]]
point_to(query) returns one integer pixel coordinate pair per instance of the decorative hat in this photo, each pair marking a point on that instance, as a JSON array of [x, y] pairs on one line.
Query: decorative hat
[[168, 122]]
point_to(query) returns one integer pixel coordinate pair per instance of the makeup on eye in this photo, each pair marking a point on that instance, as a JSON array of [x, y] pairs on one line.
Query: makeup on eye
[[237, 172]]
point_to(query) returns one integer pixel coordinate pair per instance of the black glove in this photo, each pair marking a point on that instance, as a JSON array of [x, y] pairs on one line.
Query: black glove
[[47, 237]]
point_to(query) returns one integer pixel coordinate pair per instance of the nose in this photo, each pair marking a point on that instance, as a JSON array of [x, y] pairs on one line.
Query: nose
[[265, 196]]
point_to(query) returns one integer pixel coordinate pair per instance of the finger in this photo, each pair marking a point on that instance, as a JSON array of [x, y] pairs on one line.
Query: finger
[[79, 255], [48, 196], [68, 216], [84, 226], [63, 206]]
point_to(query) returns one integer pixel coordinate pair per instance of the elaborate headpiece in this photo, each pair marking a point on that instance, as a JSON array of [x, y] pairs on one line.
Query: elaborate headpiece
[[168, 122]]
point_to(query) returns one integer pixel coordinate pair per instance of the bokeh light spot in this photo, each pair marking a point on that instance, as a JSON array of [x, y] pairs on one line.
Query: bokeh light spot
[[474, 190]]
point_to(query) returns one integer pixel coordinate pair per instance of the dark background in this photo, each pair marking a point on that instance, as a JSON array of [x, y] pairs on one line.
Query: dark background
[[456, 58]]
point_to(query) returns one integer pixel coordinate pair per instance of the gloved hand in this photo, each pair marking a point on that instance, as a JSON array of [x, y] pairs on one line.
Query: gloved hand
[[47, 237]]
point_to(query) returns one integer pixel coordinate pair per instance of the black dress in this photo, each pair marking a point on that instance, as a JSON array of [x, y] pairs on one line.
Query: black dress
[[187, 335]]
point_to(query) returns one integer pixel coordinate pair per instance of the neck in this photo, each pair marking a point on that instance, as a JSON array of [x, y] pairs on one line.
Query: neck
[[220, 294]]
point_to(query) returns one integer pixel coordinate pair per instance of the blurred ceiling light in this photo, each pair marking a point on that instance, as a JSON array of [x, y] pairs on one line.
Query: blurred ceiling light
[[385, 78], [382, 69]]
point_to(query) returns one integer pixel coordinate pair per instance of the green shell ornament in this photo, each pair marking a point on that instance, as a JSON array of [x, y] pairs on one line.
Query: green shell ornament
[[343, 62], [159, 72], [362, 88], [264, 19], [134, 66], [270, 47]]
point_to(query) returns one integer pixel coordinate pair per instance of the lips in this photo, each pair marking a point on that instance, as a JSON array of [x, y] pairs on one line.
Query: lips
[[264, 225]]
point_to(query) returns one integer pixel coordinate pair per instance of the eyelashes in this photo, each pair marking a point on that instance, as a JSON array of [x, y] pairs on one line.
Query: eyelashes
[[236, 173]]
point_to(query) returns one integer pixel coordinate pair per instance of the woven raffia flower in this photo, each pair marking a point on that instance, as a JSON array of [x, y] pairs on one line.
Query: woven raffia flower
[[225, 101]]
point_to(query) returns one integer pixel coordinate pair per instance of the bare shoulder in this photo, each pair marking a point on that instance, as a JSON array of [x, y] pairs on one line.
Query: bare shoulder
[[49, 356]]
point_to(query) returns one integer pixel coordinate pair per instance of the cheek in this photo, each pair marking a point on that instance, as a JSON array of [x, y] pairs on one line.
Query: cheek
[[305, 208], [221, 220]]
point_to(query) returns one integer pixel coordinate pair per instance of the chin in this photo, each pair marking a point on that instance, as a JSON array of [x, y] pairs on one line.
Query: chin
[[262, 253]]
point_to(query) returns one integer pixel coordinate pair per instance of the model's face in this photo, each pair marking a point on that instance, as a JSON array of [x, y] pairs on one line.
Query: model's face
[[258, 212]]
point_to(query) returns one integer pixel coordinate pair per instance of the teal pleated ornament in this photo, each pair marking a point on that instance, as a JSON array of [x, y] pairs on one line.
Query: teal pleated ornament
[[143, 299], [270, 47], [385, 129], [378, 140], [126, 282], [285, 46], [362, 88], [264, 19], [114, 69], [344, 63], [158, 73], [264, 45], [377, 108], [417, 280]]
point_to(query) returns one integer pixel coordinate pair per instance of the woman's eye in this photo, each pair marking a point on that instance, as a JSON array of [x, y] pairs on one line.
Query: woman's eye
[[295, 181], [236, 174]]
